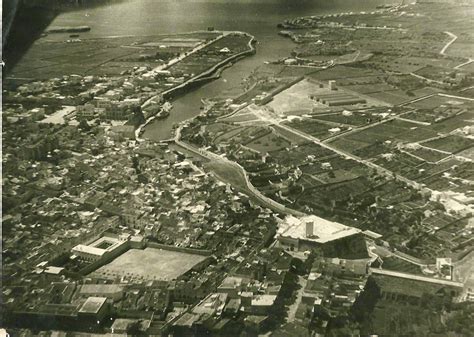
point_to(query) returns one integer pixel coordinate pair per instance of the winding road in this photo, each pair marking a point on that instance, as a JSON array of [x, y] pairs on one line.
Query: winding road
[[233, 174], [453, 38]]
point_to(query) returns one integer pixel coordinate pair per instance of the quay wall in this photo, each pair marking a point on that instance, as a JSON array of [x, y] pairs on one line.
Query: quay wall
[[207, 75], [193, 83]]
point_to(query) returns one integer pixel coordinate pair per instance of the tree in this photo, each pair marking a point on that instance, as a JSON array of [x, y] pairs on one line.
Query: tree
[[135, 163], [84, 126], [133, 329]]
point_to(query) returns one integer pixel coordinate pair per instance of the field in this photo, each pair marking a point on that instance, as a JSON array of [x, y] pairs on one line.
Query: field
[[226, 133], [242, 116], [428, 154], [50, 57], [404, 164], [343, 73], [469, 153], [393, 97], [392, 130], [316, 129], [267, 143], [349, 144], [358, 119], [290, 136], [228, 173], [436, 101], [150, 264], [464, 270], [450, 144], [295, 99]]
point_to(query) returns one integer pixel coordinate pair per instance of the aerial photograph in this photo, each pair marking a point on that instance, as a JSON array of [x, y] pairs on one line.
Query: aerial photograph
[[237, 168]]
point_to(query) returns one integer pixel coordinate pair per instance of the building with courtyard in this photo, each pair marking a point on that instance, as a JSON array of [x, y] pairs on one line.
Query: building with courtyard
[[101, 248]]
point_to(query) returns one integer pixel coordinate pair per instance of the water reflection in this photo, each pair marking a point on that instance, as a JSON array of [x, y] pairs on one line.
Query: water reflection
[[258, 17]]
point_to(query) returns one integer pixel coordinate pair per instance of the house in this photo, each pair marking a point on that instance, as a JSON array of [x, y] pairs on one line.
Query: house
[[261, 304], [112, 291], [94, 309], [123, 131]]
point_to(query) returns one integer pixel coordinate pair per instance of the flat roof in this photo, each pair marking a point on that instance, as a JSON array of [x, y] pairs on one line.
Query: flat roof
[[122, 323], [187, 319], [372, 234], [89, 250], [100, 288], [264, 300], [113, 242], [417, 277], [53, 270], [323, 230], [231, 282], [92, 305], [94, 250]]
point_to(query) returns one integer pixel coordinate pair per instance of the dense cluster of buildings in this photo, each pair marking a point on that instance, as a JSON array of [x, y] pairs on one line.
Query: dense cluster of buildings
[[106, 234]]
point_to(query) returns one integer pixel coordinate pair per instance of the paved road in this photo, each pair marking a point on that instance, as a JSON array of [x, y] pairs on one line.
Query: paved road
[[457, 97], [349, 155], [299, 295], [234, 174], [272, 120], [453, 38], [470, 60], [428, 80], [327, 140]]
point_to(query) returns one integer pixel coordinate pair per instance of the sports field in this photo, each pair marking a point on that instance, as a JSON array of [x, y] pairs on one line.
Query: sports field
[[149, 264]]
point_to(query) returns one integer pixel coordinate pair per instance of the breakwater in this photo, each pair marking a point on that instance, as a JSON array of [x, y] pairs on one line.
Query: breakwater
[[77, 29]]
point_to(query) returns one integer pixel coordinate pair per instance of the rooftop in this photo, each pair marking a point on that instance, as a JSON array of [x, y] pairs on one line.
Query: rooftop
[[187, 319], [416, 277], [53, 270], [231, 282], [323, 230], [100, 246], [92, 305], [372, 234], [122, 324], [101, 288], [264, 300], [89, 250]]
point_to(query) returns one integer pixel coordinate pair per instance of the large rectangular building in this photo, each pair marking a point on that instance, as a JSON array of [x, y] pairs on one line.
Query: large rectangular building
[[94, 309], [311, 231], [100, 248]]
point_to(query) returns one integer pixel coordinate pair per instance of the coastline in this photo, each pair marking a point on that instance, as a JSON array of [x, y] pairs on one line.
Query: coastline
[[210, 74]]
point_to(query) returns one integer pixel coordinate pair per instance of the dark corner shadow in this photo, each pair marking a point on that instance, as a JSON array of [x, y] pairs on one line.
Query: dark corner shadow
[[25, 20]]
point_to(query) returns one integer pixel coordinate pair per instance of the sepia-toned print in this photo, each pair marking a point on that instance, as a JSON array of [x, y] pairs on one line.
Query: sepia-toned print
[[224, 168]]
